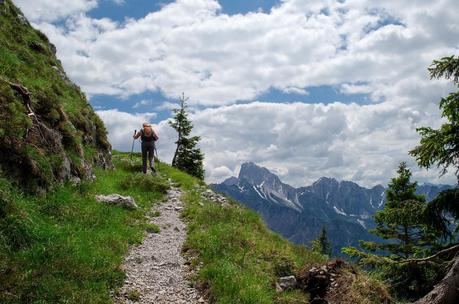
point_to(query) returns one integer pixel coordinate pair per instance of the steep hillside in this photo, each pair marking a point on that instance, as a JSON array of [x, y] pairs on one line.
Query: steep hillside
[[48, 131]]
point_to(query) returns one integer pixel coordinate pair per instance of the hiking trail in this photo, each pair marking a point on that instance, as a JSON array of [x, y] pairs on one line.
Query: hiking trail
[[156, 270]]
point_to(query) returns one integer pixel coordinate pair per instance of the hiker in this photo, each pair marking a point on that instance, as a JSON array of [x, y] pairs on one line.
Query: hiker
[[148, 136]]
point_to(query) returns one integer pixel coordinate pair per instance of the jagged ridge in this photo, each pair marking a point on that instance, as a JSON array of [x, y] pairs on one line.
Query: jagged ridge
[[344, 207]]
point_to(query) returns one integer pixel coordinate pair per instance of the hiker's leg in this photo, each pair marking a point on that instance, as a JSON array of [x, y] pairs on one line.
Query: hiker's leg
[[151, 154], [144, 157]]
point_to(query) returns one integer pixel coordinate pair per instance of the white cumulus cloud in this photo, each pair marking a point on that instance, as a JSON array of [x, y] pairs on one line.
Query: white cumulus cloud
[[190, 46], [379, 48]]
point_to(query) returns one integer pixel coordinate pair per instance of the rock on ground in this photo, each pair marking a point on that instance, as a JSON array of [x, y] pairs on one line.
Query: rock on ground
[[287, 283], [116, 199], [156, 270]]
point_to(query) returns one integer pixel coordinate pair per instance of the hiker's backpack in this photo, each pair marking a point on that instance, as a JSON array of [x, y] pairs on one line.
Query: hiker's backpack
[[151, 137]]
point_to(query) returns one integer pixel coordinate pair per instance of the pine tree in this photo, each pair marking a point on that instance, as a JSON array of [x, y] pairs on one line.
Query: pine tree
[[321, 243], [440, 147], [187, 157], [401, 224], [401, 220]]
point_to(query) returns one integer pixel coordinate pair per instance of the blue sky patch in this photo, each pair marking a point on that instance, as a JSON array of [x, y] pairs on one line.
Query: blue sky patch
[[153, 102], [232, 7], [128, 9], [318, 94], [385, 20], [140, 8], [148, 102]]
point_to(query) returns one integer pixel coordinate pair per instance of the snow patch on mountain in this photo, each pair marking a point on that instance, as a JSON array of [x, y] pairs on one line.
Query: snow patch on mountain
[[339, 211]]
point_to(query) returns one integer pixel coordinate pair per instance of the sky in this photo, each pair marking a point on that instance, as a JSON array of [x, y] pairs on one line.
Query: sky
[[306, 88]]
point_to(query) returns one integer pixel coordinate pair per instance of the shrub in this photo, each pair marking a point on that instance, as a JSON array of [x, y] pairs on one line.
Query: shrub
[[144, 182], [134, 295], [127, 165], [152, 228]]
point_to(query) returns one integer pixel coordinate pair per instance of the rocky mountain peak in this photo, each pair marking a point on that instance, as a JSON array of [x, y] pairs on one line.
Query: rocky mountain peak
[[257, 175], [344, 207], [378, 188], [230, 181], [325, 182]]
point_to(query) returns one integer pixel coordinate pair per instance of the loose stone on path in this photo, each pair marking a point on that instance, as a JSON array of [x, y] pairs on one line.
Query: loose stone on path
[[155, 270]]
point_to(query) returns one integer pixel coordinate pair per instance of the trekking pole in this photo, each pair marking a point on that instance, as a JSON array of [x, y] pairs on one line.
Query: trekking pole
[[157, 157], [132, 149]]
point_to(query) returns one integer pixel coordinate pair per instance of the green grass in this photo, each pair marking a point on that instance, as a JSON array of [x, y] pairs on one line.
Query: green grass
[[155, 213], [35, 162], [152, 228], [67, 248], [240, 257], [134, 295]]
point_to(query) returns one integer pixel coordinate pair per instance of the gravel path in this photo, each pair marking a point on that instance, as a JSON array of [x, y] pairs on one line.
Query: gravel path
[[156, 270]]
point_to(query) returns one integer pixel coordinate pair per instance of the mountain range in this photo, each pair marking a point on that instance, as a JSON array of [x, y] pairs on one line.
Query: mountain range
[[343, 207]]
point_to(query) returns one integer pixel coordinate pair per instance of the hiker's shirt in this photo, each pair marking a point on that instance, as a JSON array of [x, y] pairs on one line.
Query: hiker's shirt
[[147, 138]]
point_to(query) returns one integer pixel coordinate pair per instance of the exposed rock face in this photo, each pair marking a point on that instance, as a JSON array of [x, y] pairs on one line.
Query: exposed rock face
[[48, 131], [116, 199], [343, 207]]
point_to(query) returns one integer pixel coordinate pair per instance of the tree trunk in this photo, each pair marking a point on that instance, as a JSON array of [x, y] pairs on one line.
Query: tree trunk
[[174, 159], [447, 291]]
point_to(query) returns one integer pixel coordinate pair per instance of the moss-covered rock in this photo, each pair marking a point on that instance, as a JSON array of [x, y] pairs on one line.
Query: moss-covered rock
[[49, 133]]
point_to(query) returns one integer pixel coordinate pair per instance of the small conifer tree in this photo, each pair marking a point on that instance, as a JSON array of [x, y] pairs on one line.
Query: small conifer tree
[[321, 243], [401, 224], [187, 157], [401, 220]]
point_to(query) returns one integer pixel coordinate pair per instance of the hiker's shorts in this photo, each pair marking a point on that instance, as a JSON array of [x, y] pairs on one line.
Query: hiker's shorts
[[148, 148]]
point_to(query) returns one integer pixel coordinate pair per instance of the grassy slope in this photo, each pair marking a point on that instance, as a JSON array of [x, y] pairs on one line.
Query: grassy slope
[[239, 258], [67, 248], [69, 127]]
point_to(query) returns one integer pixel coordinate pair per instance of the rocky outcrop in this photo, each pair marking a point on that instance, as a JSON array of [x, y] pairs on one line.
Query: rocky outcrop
[[286, 283], [317, 281], [48, 131], [214, 197], [116, 199]]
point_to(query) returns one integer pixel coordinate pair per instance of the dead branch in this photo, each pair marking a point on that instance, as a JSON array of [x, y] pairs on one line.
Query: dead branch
[[434, 256]]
